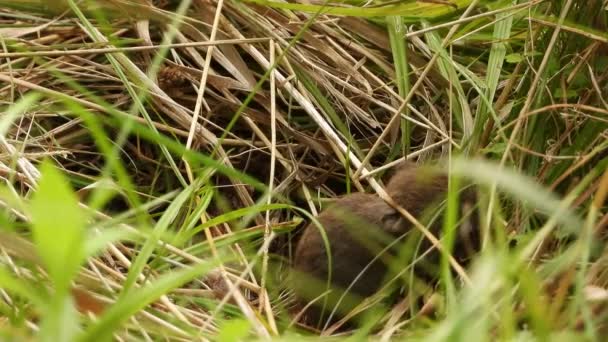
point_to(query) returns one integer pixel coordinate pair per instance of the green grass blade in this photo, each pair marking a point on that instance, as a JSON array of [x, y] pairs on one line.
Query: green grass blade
[[396, 28]]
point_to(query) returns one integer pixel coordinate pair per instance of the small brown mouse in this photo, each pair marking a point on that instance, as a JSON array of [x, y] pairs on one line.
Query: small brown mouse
[[358, 229], [418, 188]]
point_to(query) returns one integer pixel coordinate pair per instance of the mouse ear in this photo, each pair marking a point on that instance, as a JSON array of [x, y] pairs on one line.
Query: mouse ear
[[405, 165]]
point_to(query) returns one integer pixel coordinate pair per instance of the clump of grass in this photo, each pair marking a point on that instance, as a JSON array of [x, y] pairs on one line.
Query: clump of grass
[[158, 158]]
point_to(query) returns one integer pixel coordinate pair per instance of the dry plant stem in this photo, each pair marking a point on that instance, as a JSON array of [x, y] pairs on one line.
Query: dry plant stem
[[203, 83], [556, 106], [267, 143], [547, 157], [125, 262], [268, 233], [531, 96], [234, 291], [596, 86], [337, 142], [567, 279], [304, 102], [364, 305], [602, 192], [561, 293], [164, 299], [408, 157], [300, 98], [26, 167], [199, 103], [106, 272], [500, 103], [332, 135], [181, 116], [585, 195], [160, 126], [427, 123], [412, 91], [186, 256], [393, 110], [394, 316], [33, 174], [487, 25], [85, 51], [308, 196], [584, 60], [535, 83], [559, 26]]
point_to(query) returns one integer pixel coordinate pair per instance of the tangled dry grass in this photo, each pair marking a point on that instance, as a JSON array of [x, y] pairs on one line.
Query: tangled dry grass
[[175, 120]]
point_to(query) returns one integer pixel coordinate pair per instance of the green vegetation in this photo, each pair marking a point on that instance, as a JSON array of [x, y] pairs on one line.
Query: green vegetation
[[157, 159]]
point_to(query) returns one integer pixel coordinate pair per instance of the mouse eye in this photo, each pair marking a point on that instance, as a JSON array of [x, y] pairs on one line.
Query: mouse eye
[[392, 222]]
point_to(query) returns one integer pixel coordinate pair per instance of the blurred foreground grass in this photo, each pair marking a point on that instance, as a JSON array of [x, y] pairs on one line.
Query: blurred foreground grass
[[159, 156]]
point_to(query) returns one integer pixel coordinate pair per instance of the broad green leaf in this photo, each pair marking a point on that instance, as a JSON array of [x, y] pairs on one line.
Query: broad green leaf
[[58, 226], [234, 330]]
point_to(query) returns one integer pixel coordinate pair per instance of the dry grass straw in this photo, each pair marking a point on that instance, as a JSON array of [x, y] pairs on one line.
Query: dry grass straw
[[314, 97]]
